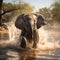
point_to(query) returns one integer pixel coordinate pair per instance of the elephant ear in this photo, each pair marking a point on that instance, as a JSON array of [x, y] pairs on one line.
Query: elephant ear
[[40, 21], [19, 23]]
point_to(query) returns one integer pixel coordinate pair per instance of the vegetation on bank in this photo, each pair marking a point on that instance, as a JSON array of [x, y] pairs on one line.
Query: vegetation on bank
[[9, 10]]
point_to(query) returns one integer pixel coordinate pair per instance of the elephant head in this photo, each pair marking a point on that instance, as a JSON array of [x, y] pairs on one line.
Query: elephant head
[[29, 23]]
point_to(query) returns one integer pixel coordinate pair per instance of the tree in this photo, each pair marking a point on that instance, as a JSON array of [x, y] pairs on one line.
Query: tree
[[7, 11], [20, 9], [46, 12], [11, 9], [56, 10], [4, 10], [25, 8], [1, 1]]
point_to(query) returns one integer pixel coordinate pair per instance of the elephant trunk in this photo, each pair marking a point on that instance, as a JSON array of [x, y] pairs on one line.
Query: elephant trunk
[[35, 38]]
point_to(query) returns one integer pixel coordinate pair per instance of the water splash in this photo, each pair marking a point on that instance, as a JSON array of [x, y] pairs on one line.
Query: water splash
[[44, 42], [47, 40], [14, 34]]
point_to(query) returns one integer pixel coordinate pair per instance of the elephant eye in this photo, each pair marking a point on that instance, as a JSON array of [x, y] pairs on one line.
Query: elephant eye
[[27, 17]]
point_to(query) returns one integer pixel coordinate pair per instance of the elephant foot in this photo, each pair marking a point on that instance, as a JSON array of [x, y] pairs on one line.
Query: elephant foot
[[34, 45]]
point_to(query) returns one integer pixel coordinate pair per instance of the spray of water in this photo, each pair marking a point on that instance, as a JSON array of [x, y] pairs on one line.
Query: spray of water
[[44, 43], [46, 39], [14, 34]]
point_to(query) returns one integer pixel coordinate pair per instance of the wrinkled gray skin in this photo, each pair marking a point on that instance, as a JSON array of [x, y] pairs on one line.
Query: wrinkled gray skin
[[29, 23]]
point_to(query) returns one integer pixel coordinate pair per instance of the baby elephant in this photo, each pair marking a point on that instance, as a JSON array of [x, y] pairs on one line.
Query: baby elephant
[[29, 24]]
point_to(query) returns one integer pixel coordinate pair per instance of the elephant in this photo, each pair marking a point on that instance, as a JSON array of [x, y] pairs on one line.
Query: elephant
[[29, 24]]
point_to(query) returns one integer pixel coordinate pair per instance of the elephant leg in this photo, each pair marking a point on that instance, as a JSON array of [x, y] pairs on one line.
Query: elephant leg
[[35, 44], [23, 43]]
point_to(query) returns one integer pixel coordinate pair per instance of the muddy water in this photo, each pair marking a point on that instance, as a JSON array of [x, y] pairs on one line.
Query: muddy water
[[26, 54], [10, 52], [49, 47]]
